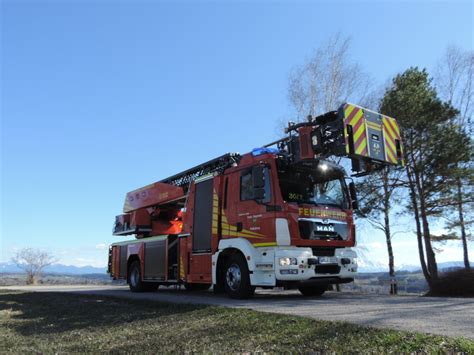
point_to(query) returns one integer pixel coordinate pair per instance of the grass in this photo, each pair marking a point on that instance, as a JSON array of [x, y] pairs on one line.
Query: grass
[[55, 322]]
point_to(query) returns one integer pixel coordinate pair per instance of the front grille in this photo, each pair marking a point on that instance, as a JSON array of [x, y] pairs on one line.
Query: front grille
[[324, 251], [319, 231], [327, 269], [326, 236]]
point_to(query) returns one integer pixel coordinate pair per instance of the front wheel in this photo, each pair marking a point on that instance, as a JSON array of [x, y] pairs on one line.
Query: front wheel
[[237, 278], [312, 290]]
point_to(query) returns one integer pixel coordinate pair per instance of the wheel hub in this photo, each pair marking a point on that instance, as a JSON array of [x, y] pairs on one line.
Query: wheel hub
[[233, 277]]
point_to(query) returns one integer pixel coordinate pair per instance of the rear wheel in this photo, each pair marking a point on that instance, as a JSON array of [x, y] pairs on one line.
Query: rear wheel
[[237, 278], [312, 290], [135, 280]]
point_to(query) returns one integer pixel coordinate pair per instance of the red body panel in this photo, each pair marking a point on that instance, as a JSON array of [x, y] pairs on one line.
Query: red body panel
[[154, 194], [115, 264]]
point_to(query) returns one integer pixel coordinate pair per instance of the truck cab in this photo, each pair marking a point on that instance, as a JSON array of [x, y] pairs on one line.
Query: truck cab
[[295, 221]]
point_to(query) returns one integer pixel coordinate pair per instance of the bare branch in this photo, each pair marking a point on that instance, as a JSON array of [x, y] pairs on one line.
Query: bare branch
[[32, 262], [327, 79], [454, 77]]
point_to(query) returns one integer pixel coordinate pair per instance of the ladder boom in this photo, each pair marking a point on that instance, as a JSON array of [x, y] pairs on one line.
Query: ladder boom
[[215, 165]]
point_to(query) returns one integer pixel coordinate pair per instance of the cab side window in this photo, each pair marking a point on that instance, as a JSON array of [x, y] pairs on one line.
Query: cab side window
[[246, 186], [248, 190]]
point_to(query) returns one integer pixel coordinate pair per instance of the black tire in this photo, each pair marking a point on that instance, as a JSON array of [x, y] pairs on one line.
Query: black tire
[[196, 287], [218, 288], [237, 278], [312, 290], [135, 279]]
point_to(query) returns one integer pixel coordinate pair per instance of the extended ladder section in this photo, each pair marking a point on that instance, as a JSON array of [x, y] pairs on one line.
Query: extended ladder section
[[217, 165]]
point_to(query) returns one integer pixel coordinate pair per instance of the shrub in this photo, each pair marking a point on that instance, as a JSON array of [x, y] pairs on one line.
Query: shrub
[[458, 283]]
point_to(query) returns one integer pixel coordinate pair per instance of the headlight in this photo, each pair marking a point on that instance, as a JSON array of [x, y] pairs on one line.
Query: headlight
[[288, 261], [354, 261]]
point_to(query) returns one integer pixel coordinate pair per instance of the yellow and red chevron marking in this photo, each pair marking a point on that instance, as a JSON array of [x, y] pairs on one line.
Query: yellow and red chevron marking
[[182, 273], [215, 212], [391, 133], [228, 229], [354, 116]]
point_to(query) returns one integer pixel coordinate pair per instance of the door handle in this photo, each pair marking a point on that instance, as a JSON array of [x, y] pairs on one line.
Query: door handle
[[239, 226]]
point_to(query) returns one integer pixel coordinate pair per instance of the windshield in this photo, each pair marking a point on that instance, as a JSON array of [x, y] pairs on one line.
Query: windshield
[[313, 187]]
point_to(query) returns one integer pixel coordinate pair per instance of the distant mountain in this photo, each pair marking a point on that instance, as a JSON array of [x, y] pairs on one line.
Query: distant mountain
[[75, 270], [366, 263], [57, 269], [365, 266], [377, 267]]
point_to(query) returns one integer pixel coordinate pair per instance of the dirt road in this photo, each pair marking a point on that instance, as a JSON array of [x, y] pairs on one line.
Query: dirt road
[[444, 316]]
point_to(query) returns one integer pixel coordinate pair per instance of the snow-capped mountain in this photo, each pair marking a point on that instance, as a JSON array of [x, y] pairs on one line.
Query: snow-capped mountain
[[56, 269]]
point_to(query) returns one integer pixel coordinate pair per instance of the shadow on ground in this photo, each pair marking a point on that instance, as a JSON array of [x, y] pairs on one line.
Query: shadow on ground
[[49, 312]]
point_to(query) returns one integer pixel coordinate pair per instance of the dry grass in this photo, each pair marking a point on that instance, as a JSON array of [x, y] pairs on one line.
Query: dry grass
[[55, 322]]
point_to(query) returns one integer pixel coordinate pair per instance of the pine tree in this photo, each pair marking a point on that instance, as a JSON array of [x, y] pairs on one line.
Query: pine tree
[[433, 150]]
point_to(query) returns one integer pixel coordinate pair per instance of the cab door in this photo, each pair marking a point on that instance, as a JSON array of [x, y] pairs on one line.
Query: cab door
[[251, 205]]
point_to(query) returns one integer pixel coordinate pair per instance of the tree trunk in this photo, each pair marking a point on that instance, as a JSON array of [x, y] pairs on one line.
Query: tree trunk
[[430, 255], [30, 279], [419, 236], [388, 236], [467, 265], [391, 266]]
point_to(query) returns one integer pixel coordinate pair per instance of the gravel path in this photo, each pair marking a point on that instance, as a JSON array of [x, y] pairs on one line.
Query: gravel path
[[444, 316]]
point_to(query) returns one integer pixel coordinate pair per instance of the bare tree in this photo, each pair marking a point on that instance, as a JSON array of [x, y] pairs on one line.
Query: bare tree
[[454, 80], [32, 262], [327, 79], [377, 194]]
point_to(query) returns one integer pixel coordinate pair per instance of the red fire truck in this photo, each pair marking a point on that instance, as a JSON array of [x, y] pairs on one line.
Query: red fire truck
[[279, 216]]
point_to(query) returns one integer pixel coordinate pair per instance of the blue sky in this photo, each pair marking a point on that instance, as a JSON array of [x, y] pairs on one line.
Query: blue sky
[[101, 97]]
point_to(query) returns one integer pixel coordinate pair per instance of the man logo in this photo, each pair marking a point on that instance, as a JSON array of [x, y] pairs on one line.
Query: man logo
[[324, 228]]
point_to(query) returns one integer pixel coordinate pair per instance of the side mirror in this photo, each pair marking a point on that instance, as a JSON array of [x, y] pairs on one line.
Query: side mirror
[[354, 202], [258, 177]]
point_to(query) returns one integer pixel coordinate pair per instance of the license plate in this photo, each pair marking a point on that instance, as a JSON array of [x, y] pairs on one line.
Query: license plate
[[327, 260]]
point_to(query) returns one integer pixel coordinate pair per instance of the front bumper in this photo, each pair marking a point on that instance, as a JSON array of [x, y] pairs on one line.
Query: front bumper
[[303, 265]]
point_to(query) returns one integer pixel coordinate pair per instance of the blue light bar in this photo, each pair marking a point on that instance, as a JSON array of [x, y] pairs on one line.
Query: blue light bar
[[260, 151]]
